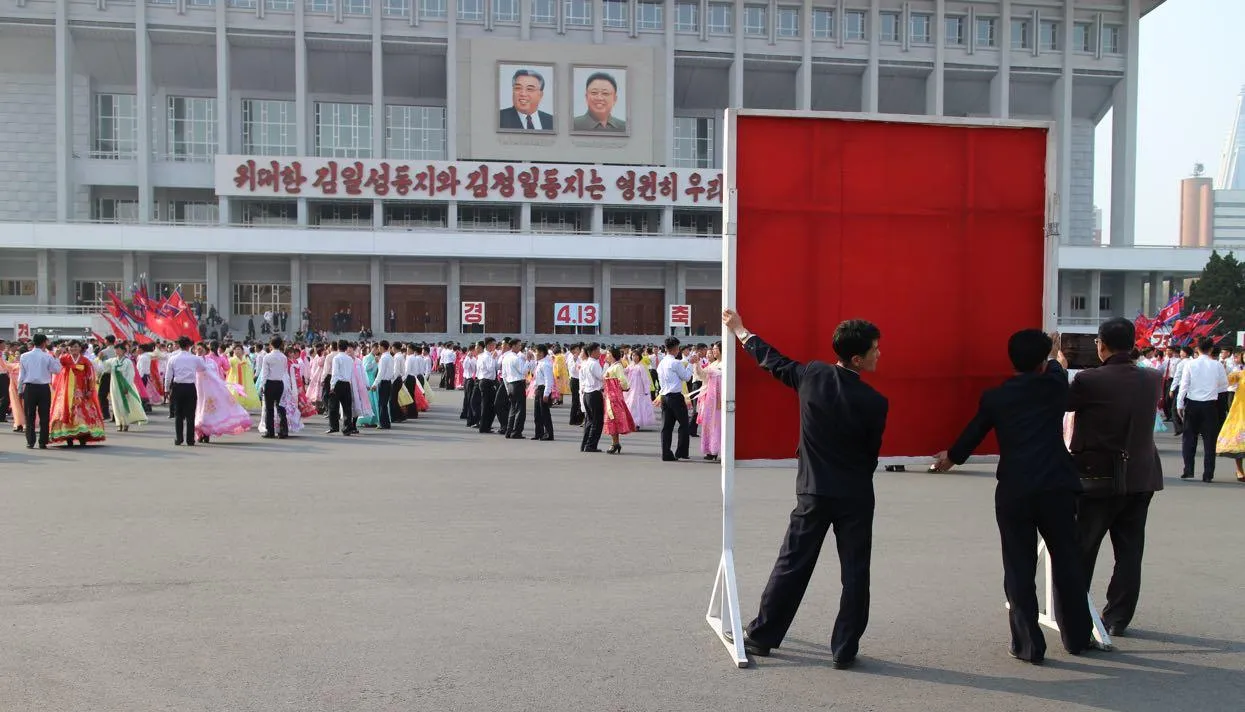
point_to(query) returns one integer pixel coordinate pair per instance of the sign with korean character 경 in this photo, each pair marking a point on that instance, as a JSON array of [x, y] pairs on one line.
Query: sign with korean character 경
[[473, 313], [680, 315], [576, 314]]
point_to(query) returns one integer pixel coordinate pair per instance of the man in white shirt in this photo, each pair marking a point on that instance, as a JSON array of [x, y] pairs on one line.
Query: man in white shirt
[[672, 373], [411, 373], [591, 381], [397, 413], [274, 374], [1202, 379], [514, 370], [486, 374], [447, 365], [572, 366], [341, 379], [541, 401], [383, 383], [34, 383], [179, 383], [1183, 358], [470, 385]]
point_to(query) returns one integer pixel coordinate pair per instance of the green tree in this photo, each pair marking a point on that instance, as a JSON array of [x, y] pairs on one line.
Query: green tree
[[1221, 286]]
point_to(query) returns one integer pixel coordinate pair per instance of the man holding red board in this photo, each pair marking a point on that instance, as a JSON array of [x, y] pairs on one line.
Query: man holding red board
[[842, 419]]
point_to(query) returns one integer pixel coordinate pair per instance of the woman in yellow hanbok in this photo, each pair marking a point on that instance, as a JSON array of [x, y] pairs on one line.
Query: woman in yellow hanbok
[[1231, 442], [561, 374], [241, 380]]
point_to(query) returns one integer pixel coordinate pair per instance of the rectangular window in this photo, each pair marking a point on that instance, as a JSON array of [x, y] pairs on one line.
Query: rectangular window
[[756, 22], [505, 10], [254, 299], [616, 13], [788, 22], [242, 4], [693, 142], [1083, 37], [433, 9], [343, 130], [1049, 30], [694, 222], [823, 23], [953, 29], [189, 212], [623, 221], [854, 25], [1111, 39], [550, 219], [649, 15], [321, 6], [1104, 303], [921, 28], [1078, 303], [191, 291], [987, 32], [17, 288], [94, 292], [889, 31], [280, 5], [433, 216], [397, 8], [340, 214], [415, 132], [721, 18], [283, 212], [578, 12], [471, 10], [114, 210], [115, 126], [687, 17], [477, 217], [268, 127], [357, 7], [1021, 35], [201, 3], [192, 128], [544, 12]]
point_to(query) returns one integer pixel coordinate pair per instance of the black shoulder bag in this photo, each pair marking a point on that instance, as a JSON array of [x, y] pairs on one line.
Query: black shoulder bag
[[1104, 472]]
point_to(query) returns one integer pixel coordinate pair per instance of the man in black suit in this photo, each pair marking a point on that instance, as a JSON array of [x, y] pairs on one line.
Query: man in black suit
[[527, 89], [1105, 400], [841, 423], [1037, 492]]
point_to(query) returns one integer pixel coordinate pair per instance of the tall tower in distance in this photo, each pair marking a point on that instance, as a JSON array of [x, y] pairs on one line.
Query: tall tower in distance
[[1232, 167]]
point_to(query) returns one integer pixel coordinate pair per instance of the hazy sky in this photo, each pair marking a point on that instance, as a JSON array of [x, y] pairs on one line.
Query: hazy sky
[[1192, 69]]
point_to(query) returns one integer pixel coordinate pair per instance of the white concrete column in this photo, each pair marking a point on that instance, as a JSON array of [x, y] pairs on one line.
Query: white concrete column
[[604, 295], [671, 273], [378, 106], [667, 220], [43, 278], [298, 288], [525, 19], [302, 135], [598, 219], [1062, 101], [1063, 308], [736, 94], [223, 106], [668, 58], [451, 217], [935, 84], [804, 75], [1095, 293], [60, 277], [525, 217], [224, 290], [376, 280], [872, 75], [680, 288], [64, 114], [453, 299], [128, 276], [212, 277], [142, 44], [527, 293], [1124, 136], [1156, 286], [1001, 84], [598, 22], [451, 92]]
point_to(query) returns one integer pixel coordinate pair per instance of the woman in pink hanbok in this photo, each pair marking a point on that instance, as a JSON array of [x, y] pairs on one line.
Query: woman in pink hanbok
[[617, 416], [298, 367], [315, 376], [358, 393], [217, 411], [709, 404], [639, 398], [458, 369]]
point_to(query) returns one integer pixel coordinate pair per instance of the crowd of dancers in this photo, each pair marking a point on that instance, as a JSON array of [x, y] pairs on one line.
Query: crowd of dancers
[[68, 392]]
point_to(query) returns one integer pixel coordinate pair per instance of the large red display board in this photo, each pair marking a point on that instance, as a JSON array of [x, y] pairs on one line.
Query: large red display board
[[936, 233]]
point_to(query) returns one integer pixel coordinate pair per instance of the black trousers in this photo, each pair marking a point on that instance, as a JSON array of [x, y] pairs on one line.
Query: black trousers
[[1020, 520], [1124, 518], [488, 395], [501, 404], [397, 413], [693, 428], [811, 520], [1201, 420], [594, 420], [273, 391], [37, 399], [674, 410], [469, 395], [384, 394], [185, 399], [342, 396], [104, 392], [518, 409], [327, 395], [412, 410], [542, 415], [1225, 404], [4, 397], [448, 378], [577, 412]]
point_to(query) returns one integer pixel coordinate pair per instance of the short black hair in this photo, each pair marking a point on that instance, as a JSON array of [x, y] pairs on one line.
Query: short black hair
[[592, 347], [110, 339], [1028, 349], [384, 344], [616, 353], [1186, 350], [184, 342], [277, 342], [542, 350], [602, 76], [854, 337], [529, 73], [40, 339], [1117, 334], [672, 344], [1205, 344]]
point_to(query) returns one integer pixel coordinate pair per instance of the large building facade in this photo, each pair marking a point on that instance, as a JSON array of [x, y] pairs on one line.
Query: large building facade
[[377, 155]]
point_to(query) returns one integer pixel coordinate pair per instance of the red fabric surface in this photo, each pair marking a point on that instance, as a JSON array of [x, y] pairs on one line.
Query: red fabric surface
[[934, 233]]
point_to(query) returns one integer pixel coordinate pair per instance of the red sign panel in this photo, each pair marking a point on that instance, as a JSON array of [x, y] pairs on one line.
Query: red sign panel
[[934, 233]]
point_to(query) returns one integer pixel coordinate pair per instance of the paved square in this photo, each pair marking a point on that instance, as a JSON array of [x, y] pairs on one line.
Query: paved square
[[433, 568]]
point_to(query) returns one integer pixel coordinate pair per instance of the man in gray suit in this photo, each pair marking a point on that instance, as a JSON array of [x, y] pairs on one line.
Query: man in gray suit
[[600, 95], [1115, 406], [527, 89]]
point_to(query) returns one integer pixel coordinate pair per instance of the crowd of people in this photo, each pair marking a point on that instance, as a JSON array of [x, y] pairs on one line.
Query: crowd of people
[[68, 391]]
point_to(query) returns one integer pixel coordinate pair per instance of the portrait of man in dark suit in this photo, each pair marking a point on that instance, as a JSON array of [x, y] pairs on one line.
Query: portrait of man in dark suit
[[527, 89]]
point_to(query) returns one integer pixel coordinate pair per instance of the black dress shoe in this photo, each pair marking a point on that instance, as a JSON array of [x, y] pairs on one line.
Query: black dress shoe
[[1035, 661], [177, 442], [266, 436], [843, 663], [751, 647], [330, 431], [667, 459], [30, 446], [1117, 631]]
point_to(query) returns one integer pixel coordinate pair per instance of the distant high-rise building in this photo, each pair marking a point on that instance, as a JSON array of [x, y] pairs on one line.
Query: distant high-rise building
[[1232, 167]]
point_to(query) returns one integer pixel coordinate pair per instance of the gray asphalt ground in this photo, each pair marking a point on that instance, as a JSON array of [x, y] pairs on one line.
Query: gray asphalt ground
[[432, 568]]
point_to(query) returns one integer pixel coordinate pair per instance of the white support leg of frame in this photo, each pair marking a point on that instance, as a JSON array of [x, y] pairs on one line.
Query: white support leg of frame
[[1046, 612]]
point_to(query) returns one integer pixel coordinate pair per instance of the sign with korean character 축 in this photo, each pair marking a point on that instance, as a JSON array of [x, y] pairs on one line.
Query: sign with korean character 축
[[260, 177], [473, 313], [680, 315], [576, 314]]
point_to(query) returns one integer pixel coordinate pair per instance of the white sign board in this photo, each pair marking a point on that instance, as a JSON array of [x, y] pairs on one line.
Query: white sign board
[[680, 315], [576, 314], [473, 313]]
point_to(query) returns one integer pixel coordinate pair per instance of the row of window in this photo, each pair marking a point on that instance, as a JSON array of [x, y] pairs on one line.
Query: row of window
[[1079, 302], [270, 127]]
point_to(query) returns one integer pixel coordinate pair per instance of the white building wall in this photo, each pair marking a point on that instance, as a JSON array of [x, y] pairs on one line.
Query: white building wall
[[1081, 231]]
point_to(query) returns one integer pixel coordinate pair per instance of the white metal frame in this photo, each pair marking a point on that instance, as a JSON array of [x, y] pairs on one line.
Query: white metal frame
[[723, 615], [1046, 611]]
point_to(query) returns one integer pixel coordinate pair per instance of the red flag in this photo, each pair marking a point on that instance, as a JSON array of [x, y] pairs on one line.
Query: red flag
[[1171, 311], [175, 300], [142, 338], [186, 324], [116, 328]]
